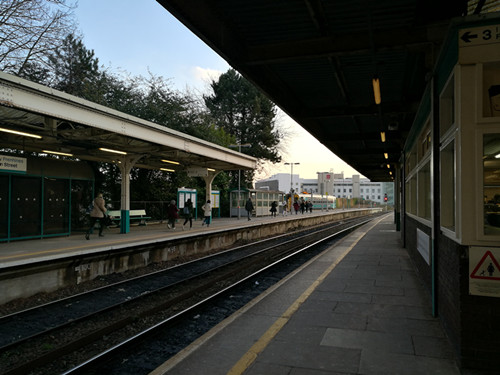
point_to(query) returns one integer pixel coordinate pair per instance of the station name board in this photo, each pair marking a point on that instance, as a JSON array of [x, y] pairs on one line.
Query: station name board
[[13, 164]]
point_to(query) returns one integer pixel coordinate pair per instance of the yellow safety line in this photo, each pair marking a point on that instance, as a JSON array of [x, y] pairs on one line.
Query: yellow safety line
[[24, 255], [251, 355]]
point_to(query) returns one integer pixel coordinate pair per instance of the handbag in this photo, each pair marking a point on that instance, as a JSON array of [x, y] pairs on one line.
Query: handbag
[[107, 220]]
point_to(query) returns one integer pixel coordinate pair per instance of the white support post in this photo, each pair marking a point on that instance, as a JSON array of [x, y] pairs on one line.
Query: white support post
[[126, 164]]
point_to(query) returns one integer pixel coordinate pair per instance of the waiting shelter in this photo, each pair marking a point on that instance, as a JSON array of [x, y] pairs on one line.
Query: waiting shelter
[[38, 121]]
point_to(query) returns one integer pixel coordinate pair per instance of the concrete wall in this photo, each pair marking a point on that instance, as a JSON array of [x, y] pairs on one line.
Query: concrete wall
[[26, 281]]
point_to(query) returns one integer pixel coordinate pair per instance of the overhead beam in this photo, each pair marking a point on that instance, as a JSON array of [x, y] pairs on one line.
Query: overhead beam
[[341, 45]]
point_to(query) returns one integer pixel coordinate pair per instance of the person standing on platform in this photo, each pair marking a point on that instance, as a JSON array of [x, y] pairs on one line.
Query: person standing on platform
[[187, 211], [98, 213], [249, 207], [285, 207], [172, 214], [296, 207], [207, 213], [274, 208]]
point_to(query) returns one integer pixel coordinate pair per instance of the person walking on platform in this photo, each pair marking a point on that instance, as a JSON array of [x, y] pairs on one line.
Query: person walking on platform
[[310, 206], [207, 212], [285, 207], [187, 211], [302, 206], [249, 208], [273, 208], [172, 214], [98, 213]]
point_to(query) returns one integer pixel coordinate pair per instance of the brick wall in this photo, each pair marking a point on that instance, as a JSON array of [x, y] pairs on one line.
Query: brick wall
[[472, 323]]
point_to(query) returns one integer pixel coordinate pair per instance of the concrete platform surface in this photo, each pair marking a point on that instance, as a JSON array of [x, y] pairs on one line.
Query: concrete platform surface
[[358, 308], [21, 252]]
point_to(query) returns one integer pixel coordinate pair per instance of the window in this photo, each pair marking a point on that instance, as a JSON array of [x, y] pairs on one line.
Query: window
[[411, 195], [491, 90], [491, 183], [447, 107], [425, 141], [447, 178], [424, 191]]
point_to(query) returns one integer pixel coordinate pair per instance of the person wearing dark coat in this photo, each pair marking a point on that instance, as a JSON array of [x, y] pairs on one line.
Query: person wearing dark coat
[[273, 208], [187, 211], [249, 207], [172, 215]]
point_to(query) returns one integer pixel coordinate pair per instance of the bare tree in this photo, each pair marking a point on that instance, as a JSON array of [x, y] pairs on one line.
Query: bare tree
[[30, 30]]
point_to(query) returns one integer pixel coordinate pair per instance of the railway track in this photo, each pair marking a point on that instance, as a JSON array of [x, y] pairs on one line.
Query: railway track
[[106, 321]]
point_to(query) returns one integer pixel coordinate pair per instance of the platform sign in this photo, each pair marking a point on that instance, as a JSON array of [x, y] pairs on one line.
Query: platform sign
[[478, 43], [479, 36], [13, 164], [484, 271]]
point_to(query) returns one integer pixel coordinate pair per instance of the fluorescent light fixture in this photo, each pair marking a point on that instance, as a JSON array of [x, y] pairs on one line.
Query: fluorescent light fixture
[[376, 90], [113, 151], [389, 166], [57, 153], [382, 136], [20, 133], [170, 162], [386, 155], [167, 170], [390, 173], [210, 170], [497, 156]]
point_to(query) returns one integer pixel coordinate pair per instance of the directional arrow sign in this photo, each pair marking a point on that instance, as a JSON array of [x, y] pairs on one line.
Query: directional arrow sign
[[467, 37], [479, 36]]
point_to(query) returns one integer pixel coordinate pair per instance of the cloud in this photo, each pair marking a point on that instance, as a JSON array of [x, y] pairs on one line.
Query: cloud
[[206, 75]]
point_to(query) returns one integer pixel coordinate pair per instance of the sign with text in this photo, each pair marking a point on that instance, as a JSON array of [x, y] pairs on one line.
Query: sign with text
[[13, 164], [479, 44], [484, 271], [479, 36]]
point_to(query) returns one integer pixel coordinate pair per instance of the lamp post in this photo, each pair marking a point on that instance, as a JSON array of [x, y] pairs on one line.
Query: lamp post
[[239, 145], [291, 175]]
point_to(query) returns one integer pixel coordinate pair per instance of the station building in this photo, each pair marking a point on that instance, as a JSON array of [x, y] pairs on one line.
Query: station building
[[334, 184]]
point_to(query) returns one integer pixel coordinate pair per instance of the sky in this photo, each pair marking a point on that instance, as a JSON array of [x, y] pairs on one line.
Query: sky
[[139, 36]]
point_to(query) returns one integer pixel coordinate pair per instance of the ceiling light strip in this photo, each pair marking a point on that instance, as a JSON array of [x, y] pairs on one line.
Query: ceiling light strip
[[20, 133]]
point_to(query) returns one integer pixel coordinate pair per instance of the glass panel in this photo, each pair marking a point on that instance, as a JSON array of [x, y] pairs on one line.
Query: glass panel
[[448, 186], [26, 207], [411, 195], [491, 182], [491, 90], [4, 205], [447, 107], [424, 189], [55, 206]]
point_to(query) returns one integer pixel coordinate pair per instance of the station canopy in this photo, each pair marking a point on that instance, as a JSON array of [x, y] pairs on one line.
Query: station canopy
[[35, 118], [317, 61]]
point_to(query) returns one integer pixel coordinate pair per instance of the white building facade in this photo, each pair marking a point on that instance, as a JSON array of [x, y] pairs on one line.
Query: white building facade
[[329, 183]]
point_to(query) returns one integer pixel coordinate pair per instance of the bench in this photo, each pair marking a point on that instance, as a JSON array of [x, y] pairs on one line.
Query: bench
[[133, 214]]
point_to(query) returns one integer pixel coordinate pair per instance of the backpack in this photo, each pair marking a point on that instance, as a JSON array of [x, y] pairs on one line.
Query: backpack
[[185, 210]]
